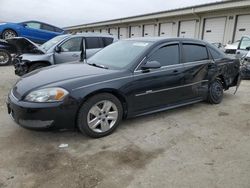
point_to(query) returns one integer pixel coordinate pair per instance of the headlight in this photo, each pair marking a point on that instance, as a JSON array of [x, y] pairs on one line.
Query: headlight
[[47, 95]]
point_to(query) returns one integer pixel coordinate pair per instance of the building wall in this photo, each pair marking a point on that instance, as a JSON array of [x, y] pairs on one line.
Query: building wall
[[177, 21]]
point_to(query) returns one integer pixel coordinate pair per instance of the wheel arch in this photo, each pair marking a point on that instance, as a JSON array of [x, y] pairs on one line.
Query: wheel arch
[[223, 81], [9, 29], [112, 91]]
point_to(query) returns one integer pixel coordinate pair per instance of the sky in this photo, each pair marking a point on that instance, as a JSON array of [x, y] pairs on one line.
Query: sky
[[64, 13]]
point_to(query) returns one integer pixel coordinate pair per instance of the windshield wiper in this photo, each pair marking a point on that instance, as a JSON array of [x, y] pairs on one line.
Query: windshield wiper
[[97, 65]]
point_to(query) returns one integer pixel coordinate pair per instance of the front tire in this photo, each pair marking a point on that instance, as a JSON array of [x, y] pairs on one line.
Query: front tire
[[215, 92], [5, 57], [100, 115], [8, 34]]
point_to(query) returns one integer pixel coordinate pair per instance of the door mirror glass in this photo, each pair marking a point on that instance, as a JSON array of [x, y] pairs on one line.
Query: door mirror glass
[[58, 49], [151, 65]]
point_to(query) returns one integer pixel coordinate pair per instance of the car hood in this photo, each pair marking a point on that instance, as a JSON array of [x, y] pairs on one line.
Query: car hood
[[231, 46], [24, 45], [66, 75]]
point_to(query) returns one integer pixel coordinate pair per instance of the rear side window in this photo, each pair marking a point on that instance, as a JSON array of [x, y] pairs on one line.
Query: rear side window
[[194, 52], [167, 55], [48, 27], [215, 54], [93, 42], [107, 41]]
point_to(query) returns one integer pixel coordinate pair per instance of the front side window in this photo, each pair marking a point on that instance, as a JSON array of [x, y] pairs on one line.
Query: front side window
[[194, 52], [167, 55], [245, 43], [33, 25], [72, 45]]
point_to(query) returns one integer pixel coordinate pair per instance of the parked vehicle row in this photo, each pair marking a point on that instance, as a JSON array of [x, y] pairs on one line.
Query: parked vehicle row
[[126, 79], [61, 49]]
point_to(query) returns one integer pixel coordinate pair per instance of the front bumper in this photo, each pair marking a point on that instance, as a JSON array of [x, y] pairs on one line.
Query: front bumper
[[21, 67], [41, 116]]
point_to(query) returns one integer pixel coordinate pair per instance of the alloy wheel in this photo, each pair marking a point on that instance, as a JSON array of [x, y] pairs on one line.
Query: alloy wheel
[[4, 58], [102, 116]]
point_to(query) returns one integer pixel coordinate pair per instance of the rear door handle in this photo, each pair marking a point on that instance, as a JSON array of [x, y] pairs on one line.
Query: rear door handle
[[175, 71], [75, 55]]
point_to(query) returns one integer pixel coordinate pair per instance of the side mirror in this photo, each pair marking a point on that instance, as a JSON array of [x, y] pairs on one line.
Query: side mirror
[[151, 65], [248, 48], [58, 49], [24, 24]]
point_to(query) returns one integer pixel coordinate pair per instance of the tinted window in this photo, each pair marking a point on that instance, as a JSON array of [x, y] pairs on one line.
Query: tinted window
[[215, 54], [167, 55], [48, 27], [193, 52], [92, 42], [33, 25], [107, 41], [72, 45], [58, 30], [245, 42]]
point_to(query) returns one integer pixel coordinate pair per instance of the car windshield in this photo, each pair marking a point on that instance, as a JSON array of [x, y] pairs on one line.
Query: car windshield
[[47, 45], [120, 54]]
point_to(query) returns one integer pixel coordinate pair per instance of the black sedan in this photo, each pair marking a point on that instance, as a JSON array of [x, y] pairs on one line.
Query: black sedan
[[126, 79]]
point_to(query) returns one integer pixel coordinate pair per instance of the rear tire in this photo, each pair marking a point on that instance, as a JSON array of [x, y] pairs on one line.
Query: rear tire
[[215, 92], [5, 57], [100, 115], [8, 34], [36, 66]]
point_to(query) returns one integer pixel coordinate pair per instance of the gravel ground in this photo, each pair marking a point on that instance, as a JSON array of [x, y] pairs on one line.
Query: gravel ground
[[199, 145]]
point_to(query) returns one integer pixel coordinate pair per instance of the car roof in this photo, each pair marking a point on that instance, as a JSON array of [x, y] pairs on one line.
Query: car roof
[[92, 34], [165, 39]]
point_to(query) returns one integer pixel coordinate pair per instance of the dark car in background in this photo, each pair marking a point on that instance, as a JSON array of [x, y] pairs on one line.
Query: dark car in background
[[6, 50], [126, 79], [35, 31], [61, 49]]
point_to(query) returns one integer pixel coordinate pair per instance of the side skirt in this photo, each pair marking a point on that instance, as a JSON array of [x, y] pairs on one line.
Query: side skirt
[[168, 108]]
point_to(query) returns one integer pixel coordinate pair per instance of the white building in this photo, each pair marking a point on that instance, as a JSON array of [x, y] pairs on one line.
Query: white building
[[219, 22]]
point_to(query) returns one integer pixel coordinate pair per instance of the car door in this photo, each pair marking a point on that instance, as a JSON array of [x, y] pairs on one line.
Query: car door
[[243, 47], [197, 66], [158, 88], [70, 50], [32, 31]]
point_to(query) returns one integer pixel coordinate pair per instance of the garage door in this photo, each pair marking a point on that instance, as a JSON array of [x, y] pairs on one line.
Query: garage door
[[243, 27], [187, 29], [114, 32], [214, 30], [104, 31], [97, 30], [166, 29], [123, 32], [150, 31], [135, 31]]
